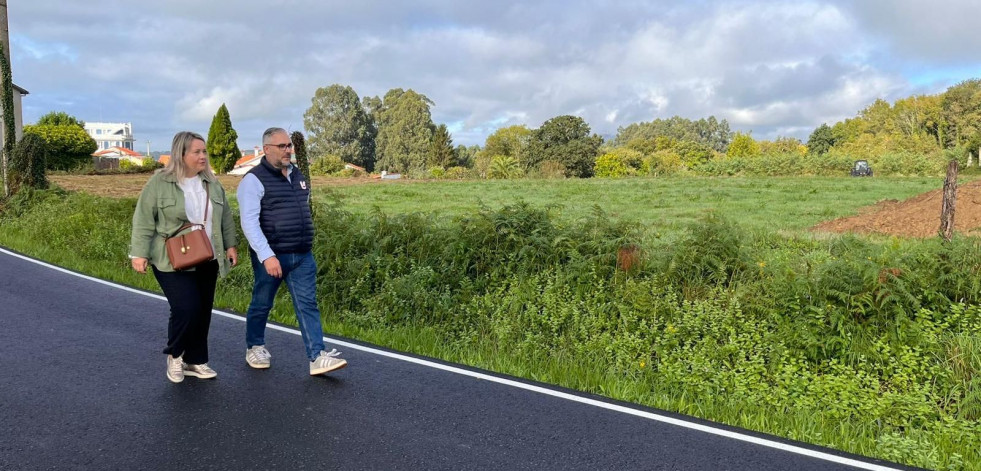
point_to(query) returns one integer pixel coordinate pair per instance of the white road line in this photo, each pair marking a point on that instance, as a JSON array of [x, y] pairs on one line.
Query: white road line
[[528, 387]]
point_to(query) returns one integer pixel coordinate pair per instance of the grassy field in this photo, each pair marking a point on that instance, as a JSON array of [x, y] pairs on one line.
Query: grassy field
[[660, 204]]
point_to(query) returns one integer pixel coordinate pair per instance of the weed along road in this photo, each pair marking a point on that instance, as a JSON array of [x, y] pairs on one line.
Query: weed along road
[[84, 387]]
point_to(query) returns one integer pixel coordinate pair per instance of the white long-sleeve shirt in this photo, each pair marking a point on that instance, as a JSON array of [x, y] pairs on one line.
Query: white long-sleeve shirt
[[250, 192], [195, 197]]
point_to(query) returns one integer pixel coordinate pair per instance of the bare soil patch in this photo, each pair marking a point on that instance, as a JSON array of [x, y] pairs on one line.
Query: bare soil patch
[[918, 216]]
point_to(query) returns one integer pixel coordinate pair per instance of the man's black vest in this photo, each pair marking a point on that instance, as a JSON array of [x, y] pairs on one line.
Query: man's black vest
[[284, 214]]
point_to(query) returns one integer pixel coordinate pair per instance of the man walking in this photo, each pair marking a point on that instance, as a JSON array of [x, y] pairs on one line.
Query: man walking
[[274, 201]]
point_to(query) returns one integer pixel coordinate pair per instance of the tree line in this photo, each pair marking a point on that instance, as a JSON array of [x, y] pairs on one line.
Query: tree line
[[396, 133]]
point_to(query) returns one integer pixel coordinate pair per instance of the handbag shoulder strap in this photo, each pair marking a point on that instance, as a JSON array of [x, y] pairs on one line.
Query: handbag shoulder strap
[[207, 199]]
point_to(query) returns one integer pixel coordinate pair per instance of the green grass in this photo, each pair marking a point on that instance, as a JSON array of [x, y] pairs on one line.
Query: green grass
[[660, 204], [734, 320]]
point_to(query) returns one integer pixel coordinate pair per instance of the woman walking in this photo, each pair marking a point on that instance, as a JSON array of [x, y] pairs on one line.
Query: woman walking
[[185, 191]]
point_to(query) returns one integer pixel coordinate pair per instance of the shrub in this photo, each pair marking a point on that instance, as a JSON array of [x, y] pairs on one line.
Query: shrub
[[618, 163], [326, 165], [27, 164], [457, 173], [348, 173], [503, 166], [662, 162], [551, 169], [69, 146], [300, 149], [149, 163], [437, 172]]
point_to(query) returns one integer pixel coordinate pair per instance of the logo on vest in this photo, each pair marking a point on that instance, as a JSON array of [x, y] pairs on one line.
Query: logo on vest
[[303, 185]]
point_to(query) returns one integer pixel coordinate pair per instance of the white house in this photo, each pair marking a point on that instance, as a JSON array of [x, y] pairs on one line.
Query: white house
[[18, 114], [248, 160], [108, 135]]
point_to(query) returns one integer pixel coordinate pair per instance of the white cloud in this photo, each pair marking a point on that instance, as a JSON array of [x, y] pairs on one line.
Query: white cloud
[[775, 67]]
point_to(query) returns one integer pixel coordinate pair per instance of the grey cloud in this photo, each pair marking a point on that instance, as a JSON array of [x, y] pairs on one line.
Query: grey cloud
[[771, 67], [922, 32]]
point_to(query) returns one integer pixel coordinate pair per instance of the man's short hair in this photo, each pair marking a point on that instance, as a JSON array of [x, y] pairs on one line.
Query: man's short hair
[[269, 133]]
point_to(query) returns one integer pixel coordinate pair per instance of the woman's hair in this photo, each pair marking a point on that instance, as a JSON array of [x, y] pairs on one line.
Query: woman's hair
[[182, 142]]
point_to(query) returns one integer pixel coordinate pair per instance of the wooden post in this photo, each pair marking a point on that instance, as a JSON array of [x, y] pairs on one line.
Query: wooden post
[[950, 199]]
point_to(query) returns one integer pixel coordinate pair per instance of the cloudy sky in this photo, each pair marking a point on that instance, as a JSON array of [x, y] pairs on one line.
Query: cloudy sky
[[771, 67]]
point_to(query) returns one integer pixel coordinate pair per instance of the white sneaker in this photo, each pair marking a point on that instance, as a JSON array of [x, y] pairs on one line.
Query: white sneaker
[[175, 369], [202, 371], [258, 357], [327, 362]]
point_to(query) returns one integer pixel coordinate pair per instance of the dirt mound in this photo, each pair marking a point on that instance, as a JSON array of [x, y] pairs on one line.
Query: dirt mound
[[918, 216]]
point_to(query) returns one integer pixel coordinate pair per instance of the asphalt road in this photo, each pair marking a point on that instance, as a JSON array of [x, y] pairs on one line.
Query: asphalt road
[[83, 387]]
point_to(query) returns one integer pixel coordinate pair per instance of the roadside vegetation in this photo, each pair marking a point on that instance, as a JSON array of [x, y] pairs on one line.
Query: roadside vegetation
[[715, 303]]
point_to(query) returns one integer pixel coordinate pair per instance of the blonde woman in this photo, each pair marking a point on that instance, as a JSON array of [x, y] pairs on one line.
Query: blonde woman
[[185, 190]]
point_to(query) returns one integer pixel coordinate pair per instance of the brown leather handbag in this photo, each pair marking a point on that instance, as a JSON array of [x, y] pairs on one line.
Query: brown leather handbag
[[193, 248]]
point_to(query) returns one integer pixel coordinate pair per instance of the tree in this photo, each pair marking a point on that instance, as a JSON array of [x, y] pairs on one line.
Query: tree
[[300, 151], [821, 140], [692, 154], [466, 156], [783, 146], [405, 129], [68, 146], [28, 162], [961, 112], [564, 139], [743, 145], [60, 118], [511, 141], [223, 142], [710, 132], [441, 153], [619, 162], [339, 124]]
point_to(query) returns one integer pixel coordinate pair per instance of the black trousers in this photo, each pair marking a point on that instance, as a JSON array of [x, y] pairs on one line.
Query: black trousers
[[191, 295]]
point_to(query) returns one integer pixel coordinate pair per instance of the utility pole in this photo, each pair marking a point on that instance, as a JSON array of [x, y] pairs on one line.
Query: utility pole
[[5, 40]]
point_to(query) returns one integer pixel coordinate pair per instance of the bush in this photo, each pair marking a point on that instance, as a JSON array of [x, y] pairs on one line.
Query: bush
[[326, 165], [437, 172], [504, 166], [150, 164], [27, 164], [662, 162], [348, 173], [69, 146], [618, 163], [551, 169], [458, 173]]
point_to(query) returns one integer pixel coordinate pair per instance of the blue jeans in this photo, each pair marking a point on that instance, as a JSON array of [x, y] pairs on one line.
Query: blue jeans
[[300, 274]]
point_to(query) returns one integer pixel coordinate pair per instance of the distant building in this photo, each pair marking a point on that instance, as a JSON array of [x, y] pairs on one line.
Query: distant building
[[121, 153], [108, 135], [18, 114], [248, 160]]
